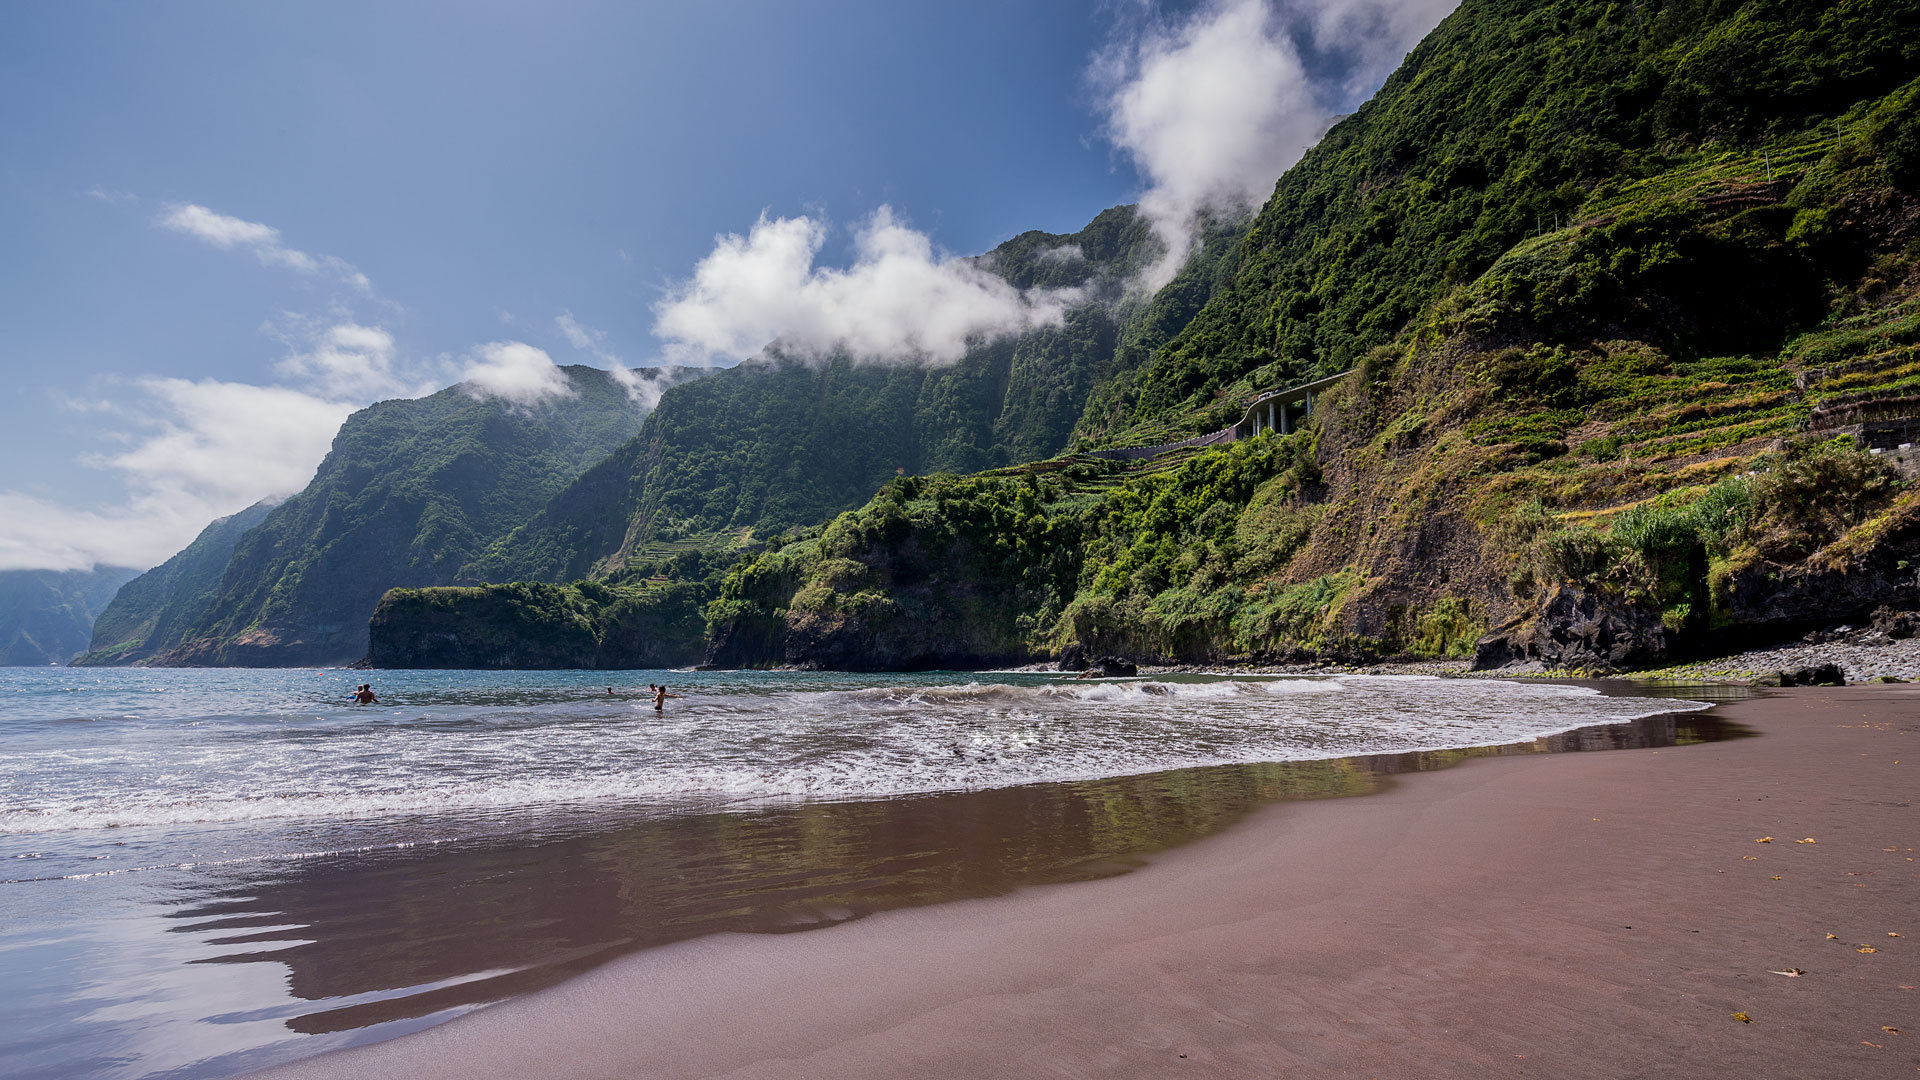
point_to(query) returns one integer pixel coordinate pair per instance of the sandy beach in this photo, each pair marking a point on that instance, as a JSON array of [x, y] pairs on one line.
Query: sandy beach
[[1576, 915]]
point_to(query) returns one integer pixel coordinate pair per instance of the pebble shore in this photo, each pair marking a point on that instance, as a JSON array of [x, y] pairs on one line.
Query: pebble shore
[[1864, 657]]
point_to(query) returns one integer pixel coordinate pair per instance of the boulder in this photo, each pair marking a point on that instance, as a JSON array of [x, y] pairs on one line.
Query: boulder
[[1497, 650], [1896, 624], [1578, 630], [1814, 675]]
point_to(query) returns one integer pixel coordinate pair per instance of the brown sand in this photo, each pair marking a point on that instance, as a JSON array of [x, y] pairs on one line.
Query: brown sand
[[1583, 915]]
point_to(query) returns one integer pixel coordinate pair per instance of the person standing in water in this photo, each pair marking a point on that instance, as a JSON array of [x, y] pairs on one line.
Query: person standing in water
[[660, 697], [365, 696]]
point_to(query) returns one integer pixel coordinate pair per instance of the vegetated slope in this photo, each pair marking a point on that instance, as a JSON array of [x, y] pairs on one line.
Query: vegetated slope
[[46, 615], [778, 442], [1503, 123], [152, 613], [1630, 434], [411, 491]]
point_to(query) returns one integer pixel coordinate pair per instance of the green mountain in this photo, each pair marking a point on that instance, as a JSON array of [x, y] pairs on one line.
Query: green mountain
[[1628, 290], [779, 442], [46, 615], [152, 613], [411, 491], [1513, 119]]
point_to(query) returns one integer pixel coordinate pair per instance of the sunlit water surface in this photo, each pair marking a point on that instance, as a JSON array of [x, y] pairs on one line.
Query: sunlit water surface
[[205, 871]]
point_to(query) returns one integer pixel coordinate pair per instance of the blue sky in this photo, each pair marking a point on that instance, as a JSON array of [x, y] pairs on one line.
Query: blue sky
[[229, 223]]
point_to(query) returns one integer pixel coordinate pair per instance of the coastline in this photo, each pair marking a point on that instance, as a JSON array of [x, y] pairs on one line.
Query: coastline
[[1578, 915]]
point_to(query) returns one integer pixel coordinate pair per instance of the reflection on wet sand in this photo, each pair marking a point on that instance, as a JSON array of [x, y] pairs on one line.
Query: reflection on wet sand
[[372, 939]]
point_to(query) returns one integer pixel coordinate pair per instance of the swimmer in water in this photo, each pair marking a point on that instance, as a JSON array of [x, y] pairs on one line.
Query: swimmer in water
[[365, 696], [660, 697]]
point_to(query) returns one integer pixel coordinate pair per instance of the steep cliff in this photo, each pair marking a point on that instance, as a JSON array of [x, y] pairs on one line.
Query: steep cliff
[[411, 491], [152, 613], [536, 625], [778, 442]]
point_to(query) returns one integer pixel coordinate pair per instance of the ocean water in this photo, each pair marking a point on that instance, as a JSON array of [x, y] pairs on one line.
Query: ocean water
[[203, 871]]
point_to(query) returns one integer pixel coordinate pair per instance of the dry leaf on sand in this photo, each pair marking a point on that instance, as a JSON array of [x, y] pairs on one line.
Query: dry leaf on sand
[[1743, 1018]]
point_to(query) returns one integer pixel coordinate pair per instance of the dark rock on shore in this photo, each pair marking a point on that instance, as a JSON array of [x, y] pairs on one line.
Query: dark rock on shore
[[1074, 658], [842, 641], [1875, 579], [1578, 630], [1897, 625], [1828, 674]]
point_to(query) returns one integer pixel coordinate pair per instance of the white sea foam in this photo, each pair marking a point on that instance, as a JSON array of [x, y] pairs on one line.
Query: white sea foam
[[734, 744]]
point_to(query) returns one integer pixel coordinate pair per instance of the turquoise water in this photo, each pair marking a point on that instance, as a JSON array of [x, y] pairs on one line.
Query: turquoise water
[[206, 870]]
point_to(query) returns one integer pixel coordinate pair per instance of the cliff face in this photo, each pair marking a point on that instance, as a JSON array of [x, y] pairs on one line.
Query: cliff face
[[46, 615], [777, 443], [537, 626], [410, 492], [151, 614]]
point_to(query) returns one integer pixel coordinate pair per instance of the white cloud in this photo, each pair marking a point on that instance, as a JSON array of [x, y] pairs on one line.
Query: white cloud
[[230, 443], [1214, 109], [644, 387], [210, 448], [235, 234], [516, 373], [898, 301], [1375, 35], [349, 361], [585, 338]]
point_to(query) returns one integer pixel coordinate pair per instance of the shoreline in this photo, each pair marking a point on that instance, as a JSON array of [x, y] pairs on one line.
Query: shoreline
[[1581, 915]]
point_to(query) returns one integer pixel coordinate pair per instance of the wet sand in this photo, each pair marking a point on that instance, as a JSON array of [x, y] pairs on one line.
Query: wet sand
[[1579, 915]]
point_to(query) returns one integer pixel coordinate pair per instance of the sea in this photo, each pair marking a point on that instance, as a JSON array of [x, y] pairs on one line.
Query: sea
[[207, 871]]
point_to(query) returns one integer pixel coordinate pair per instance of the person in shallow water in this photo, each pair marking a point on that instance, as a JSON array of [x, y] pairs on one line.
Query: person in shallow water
[[365, 696], [660, 697]]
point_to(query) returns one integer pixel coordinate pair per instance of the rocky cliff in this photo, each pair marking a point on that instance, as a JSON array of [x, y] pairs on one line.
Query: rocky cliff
[[412, 490], [536, 626], [151, 614]]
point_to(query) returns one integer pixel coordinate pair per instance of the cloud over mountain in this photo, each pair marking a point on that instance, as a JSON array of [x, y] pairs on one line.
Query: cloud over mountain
[[900, 300], [1212, 108], [200, 449], [516, 373]]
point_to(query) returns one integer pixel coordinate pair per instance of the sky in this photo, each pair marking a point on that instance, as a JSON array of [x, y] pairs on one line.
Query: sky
[[228, 225]]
